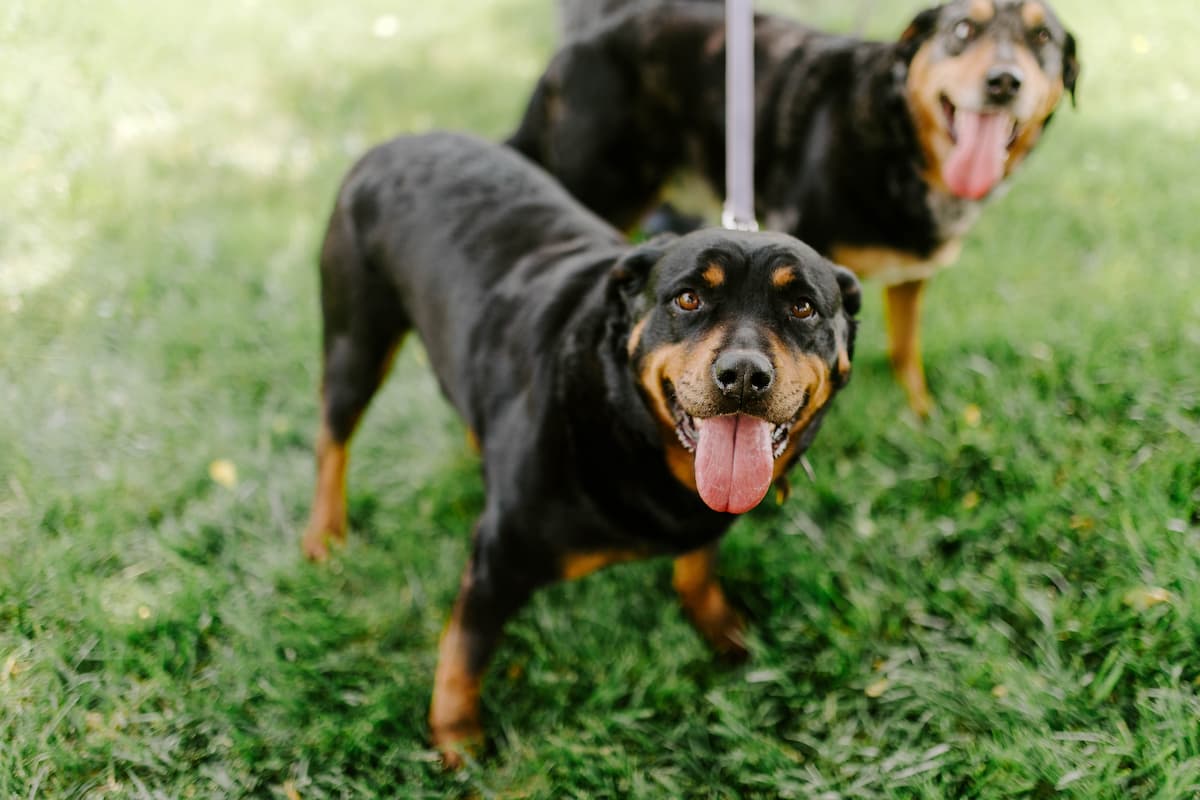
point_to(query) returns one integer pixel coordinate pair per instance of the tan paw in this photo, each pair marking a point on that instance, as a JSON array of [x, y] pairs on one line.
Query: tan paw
[[315, 544], [457, 741], [725, 633]]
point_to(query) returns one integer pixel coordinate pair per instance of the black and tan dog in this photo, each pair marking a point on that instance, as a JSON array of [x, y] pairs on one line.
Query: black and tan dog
[[877, 154], [627, 402]]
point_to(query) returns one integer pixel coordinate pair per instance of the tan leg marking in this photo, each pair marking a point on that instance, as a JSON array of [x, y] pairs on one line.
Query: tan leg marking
[[327, 522], [454, 710], [705, 604], [903, 301]]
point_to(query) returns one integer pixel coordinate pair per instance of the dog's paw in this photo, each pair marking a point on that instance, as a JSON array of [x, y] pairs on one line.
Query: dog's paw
[[921, 403], [458, 741], [725, 631], [315, 544], [728, 640]]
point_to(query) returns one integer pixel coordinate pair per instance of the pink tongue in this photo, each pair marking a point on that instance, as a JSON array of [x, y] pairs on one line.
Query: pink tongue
[[734, 462], [976, 164]]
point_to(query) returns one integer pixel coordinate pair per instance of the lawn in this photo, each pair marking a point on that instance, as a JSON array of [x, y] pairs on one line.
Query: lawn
[[1001, 602]]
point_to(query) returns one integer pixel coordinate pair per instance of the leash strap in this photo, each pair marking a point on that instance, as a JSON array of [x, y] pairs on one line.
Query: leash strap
[[738, 213]]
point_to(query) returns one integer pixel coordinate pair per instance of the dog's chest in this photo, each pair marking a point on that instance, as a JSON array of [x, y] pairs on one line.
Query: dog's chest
[[952, 216], [951, 219]]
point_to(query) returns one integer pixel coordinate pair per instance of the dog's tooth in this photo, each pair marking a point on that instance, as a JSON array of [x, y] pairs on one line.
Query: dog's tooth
[[779, 439], [684, 440]]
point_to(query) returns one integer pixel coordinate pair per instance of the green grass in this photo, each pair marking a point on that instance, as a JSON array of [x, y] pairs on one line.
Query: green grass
[[1003, 602]]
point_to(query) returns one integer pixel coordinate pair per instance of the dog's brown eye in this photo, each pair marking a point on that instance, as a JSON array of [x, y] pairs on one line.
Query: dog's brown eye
[[965, 30], [1042, 35], [688, 301], [803, 310]]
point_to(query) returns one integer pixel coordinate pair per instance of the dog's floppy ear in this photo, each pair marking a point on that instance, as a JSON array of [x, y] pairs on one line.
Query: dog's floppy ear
[[851, 290], [920, 29], [628, 276], [1070, 67], [851, 303]]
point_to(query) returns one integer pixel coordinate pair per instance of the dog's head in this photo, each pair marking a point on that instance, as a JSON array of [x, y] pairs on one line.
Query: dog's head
[[983, 79], [737, 341]]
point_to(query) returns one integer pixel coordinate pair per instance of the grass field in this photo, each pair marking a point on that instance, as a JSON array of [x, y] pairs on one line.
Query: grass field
[[1001, 603]]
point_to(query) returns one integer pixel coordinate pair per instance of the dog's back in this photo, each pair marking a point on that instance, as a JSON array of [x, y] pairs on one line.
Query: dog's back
[[878, 154], [448, 234], [432, 184]]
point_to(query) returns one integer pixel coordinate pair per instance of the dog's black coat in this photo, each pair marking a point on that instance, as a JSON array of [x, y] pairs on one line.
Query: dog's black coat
[[537, 319], [507, 281], [878, 154], [837, 159], [524, 301], [504, 278], [644, 97]]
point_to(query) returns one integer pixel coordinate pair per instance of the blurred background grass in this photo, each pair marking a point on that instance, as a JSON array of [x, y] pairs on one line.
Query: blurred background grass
[[999, 603]]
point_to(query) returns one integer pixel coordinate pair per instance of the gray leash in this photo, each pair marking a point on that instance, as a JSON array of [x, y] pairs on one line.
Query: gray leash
[[738, 213]]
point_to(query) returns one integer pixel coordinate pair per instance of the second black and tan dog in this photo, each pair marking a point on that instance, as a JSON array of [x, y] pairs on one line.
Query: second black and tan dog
[[876, 153], [627, 401]]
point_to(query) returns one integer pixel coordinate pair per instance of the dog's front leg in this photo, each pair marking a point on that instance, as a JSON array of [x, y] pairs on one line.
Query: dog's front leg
[[903, 301], [490, 593], [705, 604]]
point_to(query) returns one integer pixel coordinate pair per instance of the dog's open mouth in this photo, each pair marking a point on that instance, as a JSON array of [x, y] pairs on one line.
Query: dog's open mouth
[[980, 140], [735, 454], [951, 112], [689, 435]]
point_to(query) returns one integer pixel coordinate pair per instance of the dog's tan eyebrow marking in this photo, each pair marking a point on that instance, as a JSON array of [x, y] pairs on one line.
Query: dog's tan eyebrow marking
[[1033, 15], [714, 275], [782, 276], [981, 10]]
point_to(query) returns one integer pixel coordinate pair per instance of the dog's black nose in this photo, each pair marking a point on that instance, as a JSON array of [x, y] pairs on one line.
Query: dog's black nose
[[1003, 83], [742, 373]]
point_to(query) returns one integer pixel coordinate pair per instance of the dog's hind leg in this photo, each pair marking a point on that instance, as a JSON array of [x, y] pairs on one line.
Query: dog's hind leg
[[705, 604], [903, 310], [363, 325]]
